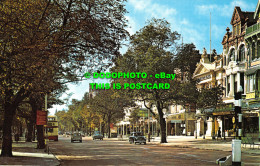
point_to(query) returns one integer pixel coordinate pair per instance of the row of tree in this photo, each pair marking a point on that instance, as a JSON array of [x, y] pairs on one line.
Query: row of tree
[[46, 43], [100, 111], [152, 50]]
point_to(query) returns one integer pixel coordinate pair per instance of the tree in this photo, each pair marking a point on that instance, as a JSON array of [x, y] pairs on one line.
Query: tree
[[151, 51], [110, 105], [210, 98], [44, 44], [186, 60]]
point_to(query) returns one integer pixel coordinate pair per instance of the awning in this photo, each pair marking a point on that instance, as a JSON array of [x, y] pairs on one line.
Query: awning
[[254, 104], [176, 121], [252, 70], [209, 110]]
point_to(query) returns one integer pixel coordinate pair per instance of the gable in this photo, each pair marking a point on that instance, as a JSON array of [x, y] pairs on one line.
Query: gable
[[256, 11], [200, 70], [237, 16]]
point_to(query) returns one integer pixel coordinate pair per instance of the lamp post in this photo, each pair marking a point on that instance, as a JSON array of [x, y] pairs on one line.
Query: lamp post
[[236, 143], [165, 116], [148, 125]]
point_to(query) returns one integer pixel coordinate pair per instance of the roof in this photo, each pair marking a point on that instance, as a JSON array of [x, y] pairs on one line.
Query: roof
[[256, 10], [243, 15], [208, 66]]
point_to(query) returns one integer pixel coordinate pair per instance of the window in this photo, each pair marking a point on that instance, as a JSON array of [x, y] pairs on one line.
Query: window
[[234, 31], [242, 81], [258, 50], [241, 56], [251, 83], [253, 51], [228, 85], [258, 80], [238, 29], [232, 55], [50, 130]]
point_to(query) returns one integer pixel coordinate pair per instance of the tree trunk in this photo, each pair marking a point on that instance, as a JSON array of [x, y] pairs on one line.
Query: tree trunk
[[9, 112], [162, 123], [40, 137], [108, 126], [30, 131]]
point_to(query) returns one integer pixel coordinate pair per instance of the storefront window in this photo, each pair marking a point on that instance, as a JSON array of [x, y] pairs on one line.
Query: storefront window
[[250, 83]]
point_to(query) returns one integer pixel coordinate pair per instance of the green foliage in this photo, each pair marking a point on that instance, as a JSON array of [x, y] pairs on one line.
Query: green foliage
[[210, 98], [186, 60]]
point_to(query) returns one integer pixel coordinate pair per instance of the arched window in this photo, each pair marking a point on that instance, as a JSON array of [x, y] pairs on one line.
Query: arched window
[[232, 55], [241, 56]]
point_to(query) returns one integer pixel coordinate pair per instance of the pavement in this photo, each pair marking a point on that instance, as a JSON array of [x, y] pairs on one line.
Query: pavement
[[207, 144], [25, 153]]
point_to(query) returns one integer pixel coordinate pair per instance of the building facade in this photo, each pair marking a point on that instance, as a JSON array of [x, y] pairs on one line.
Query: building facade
[[252, 123]]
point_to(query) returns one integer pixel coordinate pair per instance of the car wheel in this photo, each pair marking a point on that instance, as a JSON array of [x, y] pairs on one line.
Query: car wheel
[[135, 142], [71, 141], [102, 139], [144, 143], [80, 141]]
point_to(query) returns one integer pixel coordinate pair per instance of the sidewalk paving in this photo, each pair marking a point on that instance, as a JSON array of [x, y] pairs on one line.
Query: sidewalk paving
[[25, 153], [208, 143], [199, 143]]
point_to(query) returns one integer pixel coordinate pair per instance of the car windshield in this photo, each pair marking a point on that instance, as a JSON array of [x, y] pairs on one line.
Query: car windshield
[[138, 134], [76, 134], [96, 132]]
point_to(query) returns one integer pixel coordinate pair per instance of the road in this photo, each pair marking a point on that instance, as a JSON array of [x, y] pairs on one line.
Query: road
[[113, 152]]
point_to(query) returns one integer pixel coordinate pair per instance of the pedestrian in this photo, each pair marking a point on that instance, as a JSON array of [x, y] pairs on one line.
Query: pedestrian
[[219, 133]]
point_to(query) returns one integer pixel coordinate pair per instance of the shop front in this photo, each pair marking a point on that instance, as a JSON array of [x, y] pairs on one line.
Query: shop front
[[181, 124]]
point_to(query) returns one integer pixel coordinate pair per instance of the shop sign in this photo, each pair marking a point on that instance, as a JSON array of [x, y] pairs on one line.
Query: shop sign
[[41, 118], [176, 121], [204, 77], [250, 95]]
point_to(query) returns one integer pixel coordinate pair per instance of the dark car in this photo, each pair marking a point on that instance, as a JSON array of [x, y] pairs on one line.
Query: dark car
[[137, 137], [97, 135], [76, 137]]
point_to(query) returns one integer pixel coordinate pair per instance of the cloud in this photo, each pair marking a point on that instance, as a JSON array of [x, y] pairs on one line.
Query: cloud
[[132, 28], [224, 10], [140, 4], [153, 9]]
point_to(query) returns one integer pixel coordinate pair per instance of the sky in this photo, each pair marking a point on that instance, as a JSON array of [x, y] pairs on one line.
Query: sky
[[190, 18]]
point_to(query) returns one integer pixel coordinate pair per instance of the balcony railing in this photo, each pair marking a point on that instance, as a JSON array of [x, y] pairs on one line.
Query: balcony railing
[[252, 29]]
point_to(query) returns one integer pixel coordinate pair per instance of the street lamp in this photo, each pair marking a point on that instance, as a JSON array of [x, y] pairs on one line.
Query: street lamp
[[165, 116]]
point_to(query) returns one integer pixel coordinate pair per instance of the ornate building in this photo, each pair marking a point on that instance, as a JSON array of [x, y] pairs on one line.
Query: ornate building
[[252, 73], [209, 74]]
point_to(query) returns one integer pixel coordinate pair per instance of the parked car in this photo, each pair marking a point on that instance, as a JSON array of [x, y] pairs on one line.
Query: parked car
[[137, 137], [76, 137], [82, 133], [97, 135]]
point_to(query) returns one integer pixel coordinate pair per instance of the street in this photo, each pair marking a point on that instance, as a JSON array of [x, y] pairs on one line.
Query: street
[[114, 152]]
